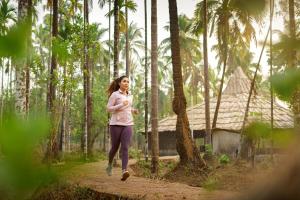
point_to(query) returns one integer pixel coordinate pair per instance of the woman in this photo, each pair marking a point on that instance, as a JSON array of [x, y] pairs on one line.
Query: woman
[[121, 122]]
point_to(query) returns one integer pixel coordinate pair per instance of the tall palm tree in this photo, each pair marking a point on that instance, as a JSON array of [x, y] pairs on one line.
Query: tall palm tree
[[52, 148], [190, 53], [21, 66], [106, 136], [292, 63], [146, 83], [127, 41], [154, 89], [135, 45], [225, 18], [116, 39], [87, 85], [119, 25], [186, 148], [7, 14], [206, 78]]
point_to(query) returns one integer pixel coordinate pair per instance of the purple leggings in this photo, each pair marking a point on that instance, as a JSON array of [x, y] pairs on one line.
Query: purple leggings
[[120, 134]]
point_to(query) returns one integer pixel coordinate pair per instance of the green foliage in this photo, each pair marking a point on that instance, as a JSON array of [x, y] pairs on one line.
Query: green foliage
[[224, 159], [257, 130], [210, 184], [16, 37], [208, 150], [285, 83], [21, 171], [135, 153]]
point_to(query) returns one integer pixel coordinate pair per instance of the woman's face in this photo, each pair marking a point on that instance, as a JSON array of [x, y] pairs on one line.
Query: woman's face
[[124, 84]]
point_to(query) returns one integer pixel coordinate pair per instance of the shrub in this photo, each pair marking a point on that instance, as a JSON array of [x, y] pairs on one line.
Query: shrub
[[224, 159]]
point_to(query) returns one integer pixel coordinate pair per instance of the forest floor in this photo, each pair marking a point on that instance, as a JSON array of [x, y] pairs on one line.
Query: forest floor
[[222, 182], [93, 176]]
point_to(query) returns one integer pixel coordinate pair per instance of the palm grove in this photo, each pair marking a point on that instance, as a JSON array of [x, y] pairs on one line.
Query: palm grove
[[63, 65]]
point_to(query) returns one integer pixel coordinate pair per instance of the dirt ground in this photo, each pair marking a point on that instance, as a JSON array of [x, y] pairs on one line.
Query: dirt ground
[[236, 176], [92, 175]]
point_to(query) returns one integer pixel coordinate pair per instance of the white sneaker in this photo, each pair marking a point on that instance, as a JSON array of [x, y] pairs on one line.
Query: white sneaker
[[125, 175]]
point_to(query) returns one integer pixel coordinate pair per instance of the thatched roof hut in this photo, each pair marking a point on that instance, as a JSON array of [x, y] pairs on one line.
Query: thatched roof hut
[[226, 136], [232, 109]]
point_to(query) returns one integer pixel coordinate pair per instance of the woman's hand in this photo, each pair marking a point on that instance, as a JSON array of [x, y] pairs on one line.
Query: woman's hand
[[125, 103]]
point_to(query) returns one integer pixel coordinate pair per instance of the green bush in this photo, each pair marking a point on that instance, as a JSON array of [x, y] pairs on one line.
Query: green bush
[[135, 153], [224, 159], [208, 150], [210, 184]]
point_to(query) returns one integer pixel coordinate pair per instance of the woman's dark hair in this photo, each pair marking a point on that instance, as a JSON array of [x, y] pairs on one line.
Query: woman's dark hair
[[114, 86]]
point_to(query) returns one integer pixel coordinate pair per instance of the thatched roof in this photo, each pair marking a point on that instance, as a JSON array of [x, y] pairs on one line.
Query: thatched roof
[[232, 109]]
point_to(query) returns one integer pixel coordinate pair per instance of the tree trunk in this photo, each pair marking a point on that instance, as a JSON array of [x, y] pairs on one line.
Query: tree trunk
[[52, 149], [244, 145], [2, 91], [20, 103], [271, 75], [292, 64], [224, 52], [146, 84], [87, 87], [29, 56], [186, 148], [154, 90], [206, 78], [127, 42], [116, 39]]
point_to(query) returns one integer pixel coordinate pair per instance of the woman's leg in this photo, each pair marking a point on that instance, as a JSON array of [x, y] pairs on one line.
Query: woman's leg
[[125, 141], [115, 133]]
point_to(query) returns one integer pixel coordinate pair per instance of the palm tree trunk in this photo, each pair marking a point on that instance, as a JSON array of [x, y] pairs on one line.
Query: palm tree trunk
[[116, 39], [127, 42], [64, 113], [292, 64], [225, 53], [154, 90], [244, 146], [271, 75], [2, 91], [146, 83], [87, 87], [49, 62], [20, 104], [29, 57], [106, 136], [52, 148], [206, 78], [186, 148], [292, 27]]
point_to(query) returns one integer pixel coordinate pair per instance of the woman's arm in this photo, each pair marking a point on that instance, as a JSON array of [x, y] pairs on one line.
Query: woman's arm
[[111, 107]]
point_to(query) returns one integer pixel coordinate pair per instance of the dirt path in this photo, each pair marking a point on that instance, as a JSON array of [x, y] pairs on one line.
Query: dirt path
[[93, 176]]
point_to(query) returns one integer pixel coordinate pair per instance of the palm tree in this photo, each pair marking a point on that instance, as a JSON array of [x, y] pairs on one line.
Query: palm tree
[[21, 67], [292, 63], [190, 53], [87, 85], [7, 14], [186, 148], [106, 136], [154, 89], [146, 83], [116, 38], [233, 44], [135, 45], [127, 41], [52, 148], [119, 25], [206, 78]]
